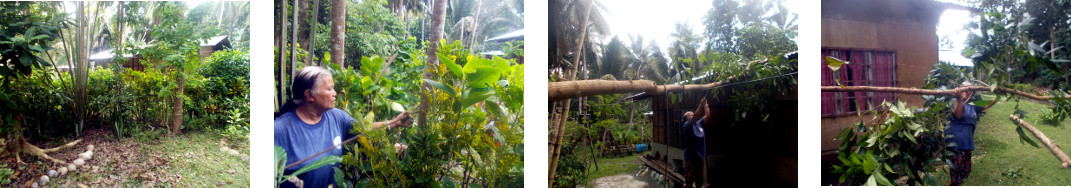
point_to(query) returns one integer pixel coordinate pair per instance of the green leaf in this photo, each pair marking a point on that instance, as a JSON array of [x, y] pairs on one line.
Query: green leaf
[[474, 97], [454, 68], [441, 86], [326, 160], [482, 77], [1024, 138], [870, 181], [881, 178], [475, 185], [397, 107], [25, 59], [834, 63]]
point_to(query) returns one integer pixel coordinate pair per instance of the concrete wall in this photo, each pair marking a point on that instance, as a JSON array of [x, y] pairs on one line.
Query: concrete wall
[[906, 27]]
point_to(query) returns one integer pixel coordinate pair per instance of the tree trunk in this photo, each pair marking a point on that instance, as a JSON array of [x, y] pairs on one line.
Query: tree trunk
[[917, 91], [558, 125], [338, 32], [475, 22], [118, 49], [313, 24], [80, 88], [176, 118], [301, 23], [581, 88], [293, 42], [438, 19], [1066, 161], [280, 46]]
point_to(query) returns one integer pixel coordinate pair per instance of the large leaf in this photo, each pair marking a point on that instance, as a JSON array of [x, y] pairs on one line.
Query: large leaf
[[323, 161], [475, 97], [441, 86], [482, 77], [1024, 138], [454, 68]]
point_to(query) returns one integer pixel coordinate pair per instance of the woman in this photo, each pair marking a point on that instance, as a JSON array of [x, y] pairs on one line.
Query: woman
[[960, 135], [310, 123]]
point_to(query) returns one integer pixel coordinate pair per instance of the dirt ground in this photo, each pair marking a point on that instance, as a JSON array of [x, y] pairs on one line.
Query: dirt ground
[[114, 163], [628, 179]]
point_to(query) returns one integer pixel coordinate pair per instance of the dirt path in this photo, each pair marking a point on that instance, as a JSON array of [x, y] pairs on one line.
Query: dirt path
[[625, 180], [162, 161]]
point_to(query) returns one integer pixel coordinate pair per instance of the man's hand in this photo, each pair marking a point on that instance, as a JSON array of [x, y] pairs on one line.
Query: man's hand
[[402, 120]]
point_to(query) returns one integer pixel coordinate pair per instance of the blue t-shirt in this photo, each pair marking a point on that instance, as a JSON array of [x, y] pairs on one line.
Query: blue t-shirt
[[302, 140], [695, 141], [961, 131]]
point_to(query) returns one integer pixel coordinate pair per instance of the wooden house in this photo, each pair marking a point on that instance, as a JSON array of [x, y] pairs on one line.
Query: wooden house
[[101, 59], [888, 43], [749, 151]]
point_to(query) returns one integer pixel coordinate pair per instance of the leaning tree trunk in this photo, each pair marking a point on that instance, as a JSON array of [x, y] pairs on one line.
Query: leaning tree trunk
[[338, 32], [475, 22], [1045, 140], [558, 125]]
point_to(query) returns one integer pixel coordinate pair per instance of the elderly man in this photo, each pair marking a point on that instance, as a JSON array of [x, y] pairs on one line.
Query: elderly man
[[695, 147], [310, 123]]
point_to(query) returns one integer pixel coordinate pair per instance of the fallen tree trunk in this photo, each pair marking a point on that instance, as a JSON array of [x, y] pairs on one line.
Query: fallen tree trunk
[[582, 88], [1045, 140], [918, 91]]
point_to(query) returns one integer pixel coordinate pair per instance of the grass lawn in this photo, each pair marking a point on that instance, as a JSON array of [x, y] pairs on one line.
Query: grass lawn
[[1000, 158], [609, 166], [198, 158]]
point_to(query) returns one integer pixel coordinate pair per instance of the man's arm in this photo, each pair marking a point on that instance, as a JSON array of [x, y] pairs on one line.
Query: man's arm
[[402, 120], [706, 114], [700, 111], [957, 110]]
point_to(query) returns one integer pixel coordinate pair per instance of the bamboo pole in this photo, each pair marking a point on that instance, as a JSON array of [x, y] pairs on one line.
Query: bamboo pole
[[1045, 140], [559, 124]]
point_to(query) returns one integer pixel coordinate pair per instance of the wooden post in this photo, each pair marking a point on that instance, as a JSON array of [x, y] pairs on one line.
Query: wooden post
[[559, 124], [1045, 140]]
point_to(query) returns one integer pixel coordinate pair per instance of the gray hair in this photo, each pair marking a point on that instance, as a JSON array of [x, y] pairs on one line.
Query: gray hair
[[307, 78]]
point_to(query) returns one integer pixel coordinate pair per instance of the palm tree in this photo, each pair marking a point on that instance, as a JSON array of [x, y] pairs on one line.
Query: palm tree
[[615, 60], [683, 50]]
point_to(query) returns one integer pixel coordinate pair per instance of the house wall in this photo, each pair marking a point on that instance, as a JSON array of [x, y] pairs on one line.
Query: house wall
[[763, 153], [907, 27]]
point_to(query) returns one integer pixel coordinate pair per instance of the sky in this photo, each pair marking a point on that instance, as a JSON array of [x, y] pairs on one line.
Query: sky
[[655, 20], [951, 25]]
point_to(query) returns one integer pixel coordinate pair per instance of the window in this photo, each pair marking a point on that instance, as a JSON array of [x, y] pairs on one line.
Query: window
[[866, 68]]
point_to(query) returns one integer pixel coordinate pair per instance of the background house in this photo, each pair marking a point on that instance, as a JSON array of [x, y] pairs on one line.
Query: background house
[[889, 43], [208, 47], [761, 153]]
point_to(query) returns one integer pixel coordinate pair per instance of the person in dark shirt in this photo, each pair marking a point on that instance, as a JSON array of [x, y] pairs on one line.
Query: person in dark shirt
[[695, 149], [310, 123], [960, 133]]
